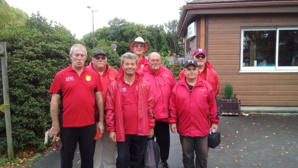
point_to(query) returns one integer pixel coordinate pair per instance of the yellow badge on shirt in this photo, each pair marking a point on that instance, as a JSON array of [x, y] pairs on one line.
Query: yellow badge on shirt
[[88, 78], [142, 65]]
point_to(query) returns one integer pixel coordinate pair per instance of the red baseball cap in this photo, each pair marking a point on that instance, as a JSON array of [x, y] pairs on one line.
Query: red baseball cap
[[199, 51]]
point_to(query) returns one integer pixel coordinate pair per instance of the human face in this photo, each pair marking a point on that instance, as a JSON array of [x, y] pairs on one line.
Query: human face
[[191, 72], [138, 48], [200, 58], [78, 57], [154, 62], [129, 66], [99, 61]]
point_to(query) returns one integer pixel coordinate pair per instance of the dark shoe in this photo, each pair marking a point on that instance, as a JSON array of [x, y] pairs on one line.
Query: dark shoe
[[165, 164]]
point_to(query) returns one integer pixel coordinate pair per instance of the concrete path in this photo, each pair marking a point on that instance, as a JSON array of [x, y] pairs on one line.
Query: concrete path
[[253, 141]]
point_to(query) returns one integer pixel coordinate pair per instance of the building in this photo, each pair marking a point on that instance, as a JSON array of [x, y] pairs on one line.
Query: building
[[252, 44]]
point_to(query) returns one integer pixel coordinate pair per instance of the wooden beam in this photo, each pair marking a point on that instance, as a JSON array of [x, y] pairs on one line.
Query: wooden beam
[[202, 33]]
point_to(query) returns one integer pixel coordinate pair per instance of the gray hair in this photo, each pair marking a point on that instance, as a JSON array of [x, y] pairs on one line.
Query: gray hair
[[129, 55], [77, 46], [153, 53]]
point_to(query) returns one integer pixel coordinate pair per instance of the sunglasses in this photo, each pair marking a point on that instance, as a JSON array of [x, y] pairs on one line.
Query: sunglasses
[[200, 56], [98, 58], [138, 45]]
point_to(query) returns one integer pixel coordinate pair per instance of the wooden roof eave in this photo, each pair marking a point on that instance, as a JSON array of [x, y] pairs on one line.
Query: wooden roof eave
[[190, 11]]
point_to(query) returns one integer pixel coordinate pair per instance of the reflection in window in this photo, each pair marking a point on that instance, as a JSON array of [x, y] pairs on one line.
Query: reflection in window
[[288, 48], [259, 47]]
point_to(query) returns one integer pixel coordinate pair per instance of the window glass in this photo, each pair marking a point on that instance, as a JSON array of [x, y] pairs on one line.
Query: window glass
[[288, 48], [259, 48], [269, 50]]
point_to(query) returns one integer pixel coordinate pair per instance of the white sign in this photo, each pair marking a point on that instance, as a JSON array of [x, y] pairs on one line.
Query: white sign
[[191, 30]]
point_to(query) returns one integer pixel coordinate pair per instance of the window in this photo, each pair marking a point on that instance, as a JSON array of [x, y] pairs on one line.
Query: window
[[269, 50]]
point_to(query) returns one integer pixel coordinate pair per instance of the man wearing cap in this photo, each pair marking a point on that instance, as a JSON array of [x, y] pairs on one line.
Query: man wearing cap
[[206, 70], [76, 90], [162, 82], [105, 150], [193, 114], [130, 117]]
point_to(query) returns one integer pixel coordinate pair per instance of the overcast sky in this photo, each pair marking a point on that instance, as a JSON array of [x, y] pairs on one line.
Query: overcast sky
[[77, 18]]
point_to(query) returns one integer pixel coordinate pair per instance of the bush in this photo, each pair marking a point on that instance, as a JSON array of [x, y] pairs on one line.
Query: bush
[[35, 53], [228, 92]]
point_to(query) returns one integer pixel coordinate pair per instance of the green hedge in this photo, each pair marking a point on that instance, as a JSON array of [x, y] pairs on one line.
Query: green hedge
[[36, 52]]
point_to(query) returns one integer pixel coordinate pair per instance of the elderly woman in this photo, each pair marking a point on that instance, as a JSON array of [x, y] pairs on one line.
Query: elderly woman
[[193, 114]]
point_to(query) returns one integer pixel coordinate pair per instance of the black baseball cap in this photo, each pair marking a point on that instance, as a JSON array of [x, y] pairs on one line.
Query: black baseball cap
[[190, 62], [99, 52]]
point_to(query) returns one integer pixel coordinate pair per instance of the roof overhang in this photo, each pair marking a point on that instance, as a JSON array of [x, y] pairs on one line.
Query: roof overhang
[[192, 10]]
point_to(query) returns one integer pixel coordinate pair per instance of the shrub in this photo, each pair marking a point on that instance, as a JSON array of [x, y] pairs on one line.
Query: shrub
[[35, 52], [228, 92]]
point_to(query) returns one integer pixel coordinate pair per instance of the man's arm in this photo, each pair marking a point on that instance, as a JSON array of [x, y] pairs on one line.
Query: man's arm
[[54, 115], [100, 106]]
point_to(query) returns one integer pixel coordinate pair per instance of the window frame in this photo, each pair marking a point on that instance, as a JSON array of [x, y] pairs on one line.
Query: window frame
[[264, 69]]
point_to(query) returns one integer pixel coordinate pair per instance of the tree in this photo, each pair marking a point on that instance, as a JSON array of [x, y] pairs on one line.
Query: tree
[[36, 51]]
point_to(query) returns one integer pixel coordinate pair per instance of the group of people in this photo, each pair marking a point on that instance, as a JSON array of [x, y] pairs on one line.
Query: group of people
[[141, 102]]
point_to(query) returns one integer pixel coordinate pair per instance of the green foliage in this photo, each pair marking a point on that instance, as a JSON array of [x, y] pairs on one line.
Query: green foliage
[[162, 39], [228, 91], [106, 46], [36, 52], [175, 67], [10, 17]]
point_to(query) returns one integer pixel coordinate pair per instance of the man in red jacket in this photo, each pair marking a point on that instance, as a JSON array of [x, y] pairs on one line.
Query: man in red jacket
[[162, 82], [193, 114], [206, 71], [130, 117], [105, 150]]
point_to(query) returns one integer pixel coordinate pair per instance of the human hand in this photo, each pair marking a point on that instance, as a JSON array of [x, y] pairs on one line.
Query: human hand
[[174, 128], [53, 132], [214, 127], [100, 126], [112, 136], [151, 134]]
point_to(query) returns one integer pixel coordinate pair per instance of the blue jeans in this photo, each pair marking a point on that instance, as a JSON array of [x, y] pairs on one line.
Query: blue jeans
[[191, 145], [132, 151]]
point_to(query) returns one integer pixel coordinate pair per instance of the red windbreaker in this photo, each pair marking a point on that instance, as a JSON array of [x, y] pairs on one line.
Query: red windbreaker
[[211, 77], [193, 112], [161, 84], [114, 116]]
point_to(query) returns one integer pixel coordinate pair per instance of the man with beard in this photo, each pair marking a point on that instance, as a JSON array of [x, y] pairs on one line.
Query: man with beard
[[105, 150]]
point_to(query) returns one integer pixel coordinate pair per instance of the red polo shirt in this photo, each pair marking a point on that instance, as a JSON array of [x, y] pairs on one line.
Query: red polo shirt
[[77, 96], [130, 107]]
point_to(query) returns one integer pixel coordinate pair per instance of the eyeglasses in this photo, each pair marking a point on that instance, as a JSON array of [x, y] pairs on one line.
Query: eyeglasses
[[98, 58], [138, 45], [200, 56]]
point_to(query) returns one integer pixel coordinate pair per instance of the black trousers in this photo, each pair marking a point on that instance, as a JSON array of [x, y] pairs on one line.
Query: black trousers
[[70, 136], [162, 135], [132, 151], [192, 146]]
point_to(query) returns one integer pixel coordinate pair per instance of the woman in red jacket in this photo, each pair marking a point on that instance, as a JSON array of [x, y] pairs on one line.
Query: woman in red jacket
[[193, 114]]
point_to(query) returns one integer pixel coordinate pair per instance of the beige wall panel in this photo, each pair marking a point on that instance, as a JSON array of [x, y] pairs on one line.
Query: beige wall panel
[[253, 89]]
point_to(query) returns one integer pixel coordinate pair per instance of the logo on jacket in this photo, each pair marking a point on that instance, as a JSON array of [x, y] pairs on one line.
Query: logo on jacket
[[202, 90], [70, 78], [88, 78], [124, 90]]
